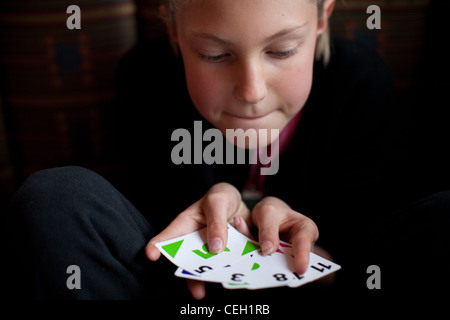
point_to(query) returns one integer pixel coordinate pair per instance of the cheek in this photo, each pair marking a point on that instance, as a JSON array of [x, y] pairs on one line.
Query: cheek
[[295, 88], [205, 91]]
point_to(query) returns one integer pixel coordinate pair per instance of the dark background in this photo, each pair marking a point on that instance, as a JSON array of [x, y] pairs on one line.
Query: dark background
[[57, 85]]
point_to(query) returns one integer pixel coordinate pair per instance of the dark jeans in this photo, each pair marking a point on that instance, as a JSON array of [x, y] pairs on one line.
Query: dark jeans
[[72, 216]]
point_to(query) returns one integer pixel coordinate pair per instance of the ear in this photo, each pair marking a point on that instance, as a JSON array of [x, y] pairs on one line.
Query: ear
[[328, 7], [170, 25]]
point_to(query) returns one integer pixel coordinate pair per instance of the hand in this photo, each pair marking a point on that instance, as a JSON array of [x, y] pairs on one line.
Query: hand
[[222, 203], [274, 218]]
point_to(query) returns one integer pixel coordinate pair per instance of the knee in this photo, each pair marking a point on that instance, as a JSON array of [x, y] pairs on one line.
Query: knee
[[55, 182], [50, 190]]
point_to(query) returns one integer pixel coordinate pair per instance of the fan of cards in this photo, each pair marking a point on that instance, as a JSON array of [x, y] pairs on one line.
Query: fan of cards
[[241, 264]]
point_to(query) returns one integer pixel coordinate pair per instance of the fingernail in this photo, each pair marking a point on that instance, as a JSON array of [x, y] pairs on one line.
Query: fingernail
[[215, 245], [267, 247]]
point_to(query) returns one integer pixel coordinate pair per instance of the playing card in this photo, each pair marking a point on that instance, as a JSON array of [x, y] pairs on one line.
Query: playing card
[[190, 252], [252, 270], [180, 272], [318, 267], [217, 275], [241, 265], [260, 271]]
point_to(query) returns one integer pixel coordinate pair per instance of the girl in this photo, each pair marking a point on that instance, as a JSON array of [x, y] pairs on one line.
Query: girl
[[235, 64], [248, 71]]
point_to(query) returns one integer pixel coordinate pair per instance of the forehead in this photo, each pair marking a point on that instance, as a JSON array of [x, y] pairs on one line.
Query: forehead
[[228, 10], [246, 18]]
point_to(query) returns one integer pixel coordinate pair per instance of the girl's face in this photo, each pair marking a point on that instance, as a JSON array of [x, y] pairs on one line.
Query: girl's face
[[249, 63]]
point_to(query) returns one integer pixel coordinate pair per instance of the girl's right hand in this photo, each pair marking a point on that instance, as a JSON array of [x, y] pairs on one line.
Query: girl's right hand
[[220, 205]]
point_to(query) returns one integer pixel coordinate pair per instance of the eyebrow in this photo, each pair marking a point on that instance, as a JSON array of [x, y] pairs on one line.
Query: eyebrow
[[282, 33]]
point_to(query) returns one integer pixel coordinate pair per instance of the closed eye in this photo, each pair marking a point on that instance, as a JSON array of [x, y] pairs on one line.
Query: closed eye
[[283, 54], [214, 59]]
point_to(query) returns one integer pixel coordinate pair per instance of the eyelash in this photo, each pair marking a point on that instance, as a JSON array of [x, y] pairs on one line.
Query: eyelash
[[284, 54], [276, 54], [214, 59]]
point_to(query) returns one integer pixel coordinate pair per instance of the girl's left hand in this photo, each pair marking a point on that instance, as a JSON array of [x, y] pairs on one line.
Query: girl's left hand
[[274, 218]]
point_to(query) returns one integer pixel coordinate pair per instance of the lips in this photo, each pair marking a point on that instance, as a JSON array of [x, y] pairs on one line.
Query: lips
[[247, 117], [233, 121]]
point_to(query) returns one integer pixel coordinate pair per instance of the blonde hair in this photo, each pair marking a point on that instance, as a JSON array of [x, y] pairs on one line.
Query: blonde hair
[[323, 49]]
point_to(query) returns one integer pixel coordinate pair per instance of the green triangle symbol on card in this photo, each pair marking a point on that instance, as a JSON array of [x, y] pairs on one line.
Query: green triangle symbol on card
[[249, 247], [172, 248], [255, 266]]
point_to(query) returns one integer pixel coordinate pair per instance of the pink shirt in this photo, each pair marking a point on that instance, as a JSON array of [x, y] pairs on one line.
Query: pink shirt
[[254, 187]]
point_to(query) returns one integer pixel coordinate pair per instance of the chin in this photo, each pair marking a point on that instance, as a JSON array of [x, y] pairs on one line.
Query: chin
[[251, 138]]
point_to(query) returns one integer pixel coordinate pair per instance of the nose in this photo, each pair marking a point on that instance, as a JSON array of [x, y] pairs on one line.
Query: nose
[[251, 85]]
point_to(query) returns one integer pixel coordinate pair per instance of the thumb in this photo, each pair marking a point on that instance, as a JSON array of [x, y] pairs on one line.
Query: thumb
[[152, 252]]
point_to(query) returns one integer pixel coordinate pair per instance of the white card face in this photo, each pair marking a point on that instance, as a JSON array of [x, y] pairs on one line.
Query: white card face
[[191, 252], [261, 271], [242, 264], [180, 272], [252, 271], [318, 267], [212, 276]]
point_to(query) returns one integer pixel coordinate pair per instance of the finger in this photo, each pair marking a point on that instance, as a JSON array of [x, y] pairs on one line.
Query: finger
[[302, 247], [216, 207], [243, 212], [152, 252], [241, 226], [186, 222], [196, 288], [329, 279], [303, 236], [268, 217], [221, 202]]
